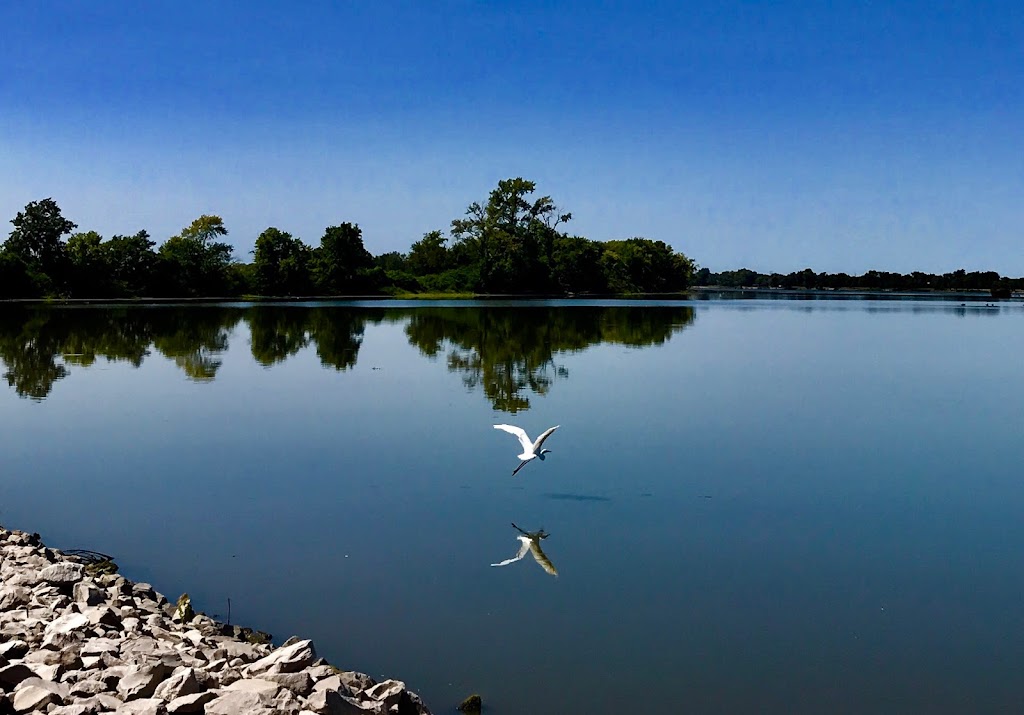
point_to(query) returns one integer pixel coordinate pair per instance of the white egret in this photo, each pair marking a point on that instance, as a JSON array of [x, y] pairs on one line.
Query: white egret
[[531, 450], [531, 542]]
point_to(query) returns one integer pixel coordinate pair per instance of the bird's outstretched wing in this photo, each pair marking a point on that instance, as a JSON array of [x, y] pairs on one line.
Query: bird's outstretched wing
[[522, 552], [540, 440], [520, 433], [541, 558]]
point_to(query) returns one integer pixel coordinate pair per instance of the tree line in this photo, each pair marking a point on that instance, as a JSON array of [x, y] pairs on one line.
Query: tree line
[[511, 243], [958, 280]]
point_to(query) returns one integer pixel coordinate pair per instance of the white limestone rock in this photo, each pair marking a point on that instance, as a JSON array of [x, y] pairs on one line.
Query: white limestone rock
[[34, 699], [181, 682], [290, 659], [63, 572], [143, 706], [191, 703], [140, 682]]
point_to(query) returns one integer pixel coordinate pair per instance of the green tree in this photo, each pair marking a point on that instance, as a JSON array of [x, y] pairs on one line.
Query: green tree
[[640, 265], [16, 281], [197, 264], [341, 260], [392, 261], [132, 263], [429, 254], [281, 264], [36, 240], [89, 271], [577, 265], [512, 237]]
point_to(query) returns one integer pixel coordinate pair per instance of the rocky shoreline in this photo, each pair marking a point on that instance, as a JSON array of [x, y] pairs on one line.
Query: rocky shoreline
[[76, 639]]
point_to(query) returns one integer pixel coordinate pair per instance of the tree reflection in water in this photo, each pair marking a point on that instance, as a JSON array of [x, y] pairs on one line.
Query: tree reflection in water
[[510, 352], [507, 353]]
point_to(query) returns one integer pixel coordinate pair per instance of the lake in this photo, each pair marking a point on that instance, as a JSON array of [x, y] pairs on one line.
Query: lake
[[773, 506]]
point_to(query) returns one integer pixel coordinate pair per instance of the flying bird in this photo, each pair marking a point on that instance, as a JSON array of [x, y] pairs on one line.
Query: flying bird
[[531, 450], [531, 542]]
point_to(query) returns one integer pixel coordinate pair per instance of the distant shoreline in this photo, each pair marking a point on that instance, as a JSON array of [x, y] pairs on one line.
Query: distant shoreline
[[696, 292]]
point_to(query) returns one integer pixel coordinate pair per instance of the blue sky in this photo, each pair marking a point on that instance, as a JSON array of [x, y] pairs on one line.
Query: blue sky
[[775, 136]]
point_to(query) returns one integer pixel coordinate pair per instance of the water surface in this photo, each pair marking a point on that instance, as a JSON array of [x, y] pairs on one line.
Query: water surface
[[754, 506]]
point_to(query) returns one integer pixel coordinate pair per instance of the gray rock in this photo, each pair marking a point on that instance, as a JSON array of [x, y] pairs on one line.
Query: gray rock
[[103, 701], [143, 589], [63, 572], [13, 597], [286, 660], [68, 623], [88, 593], [90, 661], [182, 682], [286, 702], [140, 682], [227, 676], [319, 672], [42, 657], [59, 689], [332, 682], [34, 698], [14, 649], [89, 686], [75, 709], [235, 649], [356, 682], [299, 683], [48, 672], [331, 702], [111, 661], [193, 636], [98, 646], [62, 639], [389, 692], [237, 702], [144, 646], [143, 706], [102, 615], [255, 685], [13, 674], [191, 703]]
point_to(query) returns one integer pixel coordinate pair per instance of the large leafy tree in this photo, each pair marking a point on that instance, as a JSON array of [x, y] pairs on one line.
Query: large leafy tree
[[36, 241], [196, 263], [512, 236], [281, 264], [341, 260], [577, 265], [132, 263], [88, 266], [15, 279], [429, 254], [642, 265]]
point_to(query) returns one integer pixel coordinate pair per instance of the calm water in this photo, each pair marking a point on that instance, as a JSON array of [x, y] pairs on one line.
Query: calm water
[[753, 506]]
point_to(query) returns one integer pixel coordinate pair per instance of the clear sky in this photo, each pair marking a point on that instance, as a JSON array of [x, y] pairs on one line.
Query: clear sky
[[841, 136]]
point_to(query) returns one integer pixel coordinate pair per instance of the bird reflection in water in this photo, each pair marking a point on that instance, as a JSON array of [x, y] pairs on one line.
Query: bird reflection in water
[[531, 542]]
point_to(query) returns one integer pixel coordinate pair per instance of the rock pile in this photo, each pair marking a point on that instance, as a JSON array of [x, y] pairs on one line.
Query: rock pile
[[74, 642]]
